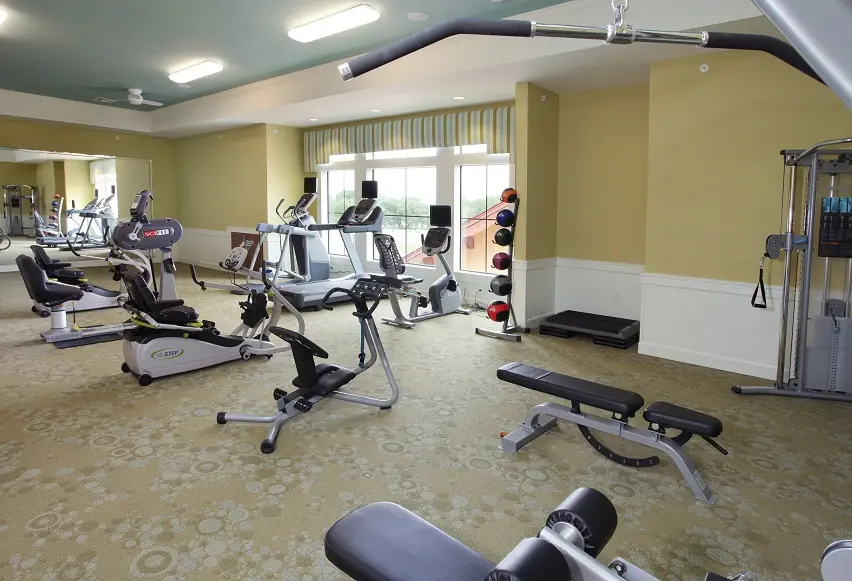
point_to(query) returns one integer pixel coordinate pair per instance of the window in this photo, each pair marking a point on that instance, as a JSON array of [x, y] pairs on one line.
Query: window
[[405, 194], [467, 178], [478, 191], [106, 185], [338, 193]]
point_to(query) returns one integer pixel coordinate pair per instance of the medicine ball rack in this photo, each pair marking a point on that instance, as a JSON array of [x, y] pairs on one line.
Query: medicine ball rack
[[510, 330]]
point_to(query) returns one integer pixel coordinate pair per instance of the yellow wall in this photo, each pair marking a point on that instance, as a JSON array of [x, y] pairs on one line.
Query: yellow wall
[[78, 184], [46, 182], [131, 177], [28, 134], [222, 178], [15, 174], [603, 179], [536, 170], [714, 170], [284, 168]]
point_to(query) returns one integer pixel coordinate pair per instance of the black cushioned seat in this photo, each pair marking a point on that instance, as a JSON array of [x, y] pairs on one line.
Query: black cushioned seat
[[35, 279], [385, 542], [331, 378], [169, 312], [597, 395], [670, 415]]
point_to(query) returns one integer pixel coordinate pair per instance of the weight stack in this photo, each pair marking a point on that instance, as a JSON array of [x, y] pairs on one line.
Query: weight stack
[[828, 359]]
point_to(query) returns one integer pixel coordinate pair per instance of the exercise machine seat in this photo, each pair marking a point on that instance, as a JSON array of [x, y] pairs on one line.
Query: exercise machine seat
[[168, 312], [35, 279], [54, 267], [597, 395], [673, 416], [385, 542], [331, 378]]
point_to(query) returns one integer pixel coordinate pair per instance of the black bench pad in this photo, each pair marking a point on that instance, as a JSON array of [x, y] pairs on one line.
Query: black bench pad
[[596, 395], [670, 415], [385, 542]]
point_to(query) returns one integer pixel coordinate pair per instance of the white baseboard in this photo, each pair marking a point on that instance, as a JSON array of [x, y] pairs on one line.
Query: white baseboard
[[710, 323], [602, 288]]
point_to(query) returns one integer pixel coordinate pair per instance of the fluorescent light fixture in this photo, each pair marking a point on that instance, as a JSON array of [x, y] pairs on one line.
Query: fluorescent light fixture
[[459, 98], [346, 20], [3, 16], [202, 69], [376, 110], [313, 119]]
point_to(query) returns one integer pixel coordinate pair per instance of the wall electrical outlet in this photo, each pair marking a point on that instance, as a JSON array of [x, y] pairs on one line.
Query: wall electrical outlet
[[616, 297]]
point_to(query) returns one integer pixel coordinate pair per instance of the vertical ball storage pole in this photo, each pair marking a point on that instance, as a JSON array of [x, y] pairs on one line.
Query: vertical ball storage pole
[[502, 285]]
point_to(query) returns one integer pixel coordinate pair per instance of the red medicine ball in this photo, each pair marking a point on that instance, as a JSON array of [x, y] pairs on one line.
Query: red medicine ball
[[501, 261], [498, 311]]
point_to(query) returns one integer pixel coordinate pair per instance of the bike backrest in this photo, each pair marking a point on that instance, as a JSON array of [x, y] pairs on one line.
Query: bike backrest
[[390, 260]]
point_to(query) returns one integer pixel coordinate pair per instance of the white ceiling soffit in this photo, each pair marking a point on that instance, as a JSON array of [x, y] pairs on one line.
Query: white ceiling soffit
[[481, 69], [30, 156], [29, 106]]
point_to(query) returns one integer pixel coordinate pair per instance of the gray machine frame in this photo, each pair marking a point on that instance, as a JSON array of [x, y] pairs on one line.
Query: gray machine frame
[[792, 373], [544, 416], [288, 410]]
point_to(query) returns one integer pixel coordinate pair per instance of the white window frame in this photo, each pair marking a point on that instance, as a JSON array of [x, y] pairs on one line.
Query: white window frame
[[447, 164]]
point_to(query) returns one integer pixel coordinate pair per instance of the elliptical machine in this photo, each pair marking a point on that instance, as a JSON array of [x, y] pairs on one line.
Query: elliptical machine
[[443, 294], [316, 382]]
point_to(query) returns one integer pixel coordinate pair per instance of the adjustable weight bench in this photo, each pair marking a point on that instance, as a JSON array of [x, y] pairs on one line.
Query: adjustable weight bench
[[623, 404]]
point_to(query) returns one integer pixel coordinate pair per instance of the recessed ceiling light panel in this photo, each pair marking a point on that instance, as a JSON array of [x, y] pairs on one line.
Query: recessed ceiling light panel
[[459, 98], [202, 69], [313, 119], [334, 24], [376, 110]]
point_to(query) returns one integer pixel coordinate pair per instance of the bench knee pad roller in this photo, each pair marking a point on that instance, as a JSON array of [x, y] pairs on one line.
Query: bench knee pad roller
[[532, 560], [592, 514]]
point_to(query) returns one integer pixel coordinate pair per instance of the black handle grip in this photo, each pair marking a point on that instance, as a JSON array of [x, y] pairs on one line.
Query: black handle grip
[[333, 292], [405, 46], [768, 44]]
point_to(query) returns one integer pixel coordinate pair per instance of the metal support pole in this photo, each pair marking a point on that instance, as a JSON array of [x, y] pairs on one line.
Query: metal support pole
[[826, 286], [780, 378], [807, 267]]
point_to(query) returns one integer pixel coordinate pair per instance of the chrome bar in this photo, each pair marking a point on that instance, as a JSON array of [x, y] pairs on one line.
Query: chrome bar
[[820, 145], [780, 378], [570, 31], [826, 284], [666, 37]]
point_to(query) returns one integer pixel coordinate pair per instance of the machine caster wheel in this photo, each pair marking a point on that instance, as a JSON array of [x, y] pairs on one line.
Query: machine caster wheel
[[317, 308], [33, 309], [145, 380], [44, 314], [220, 418], [245, 354], [267, 446], [125, 368], [268, 357]]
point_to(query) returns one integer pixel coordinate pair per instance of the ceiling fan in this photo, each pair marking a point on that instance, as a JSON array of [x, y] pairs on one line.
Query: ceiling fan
[[134, 97]]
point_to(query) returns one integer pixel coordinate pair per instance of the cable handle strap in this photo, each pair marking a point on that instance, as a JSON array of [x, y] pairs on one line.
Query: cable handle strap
[[761, 288]]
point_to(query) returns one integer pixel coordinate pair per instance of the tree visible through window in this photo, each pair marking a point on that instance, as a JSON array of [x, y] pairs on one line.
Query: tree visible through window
[[405, 195], [340, 194]]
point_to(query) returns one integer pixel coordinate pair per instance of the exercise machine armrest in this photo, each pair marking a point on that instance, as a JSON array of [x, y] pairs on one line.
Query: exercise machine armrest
[[294, 338], [167, 304], [323, 227]]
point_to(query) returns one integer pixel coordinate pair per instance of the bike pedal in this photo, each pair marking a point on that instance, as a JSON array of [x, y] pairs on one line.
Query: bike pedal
[[278, 393]]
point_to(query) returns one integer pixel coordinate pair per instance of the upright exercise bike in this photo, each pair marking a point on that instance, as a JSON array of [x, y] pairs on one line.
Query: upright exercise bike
[[316, 382], [443, 294]]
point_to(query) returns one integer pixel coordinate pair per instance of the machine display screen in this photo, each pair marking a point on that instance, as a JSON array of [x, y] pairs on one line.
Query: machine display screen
[[364, 207]]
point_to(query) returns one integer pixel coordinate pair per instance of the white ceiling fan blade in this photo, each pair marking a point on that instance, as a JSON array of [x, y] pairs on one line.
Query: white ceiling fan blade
[[152, 103]]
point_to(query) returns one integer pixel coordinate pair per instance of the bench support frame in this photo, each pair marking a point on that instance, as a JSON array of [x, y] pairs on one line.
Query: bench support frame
[[544, 416]]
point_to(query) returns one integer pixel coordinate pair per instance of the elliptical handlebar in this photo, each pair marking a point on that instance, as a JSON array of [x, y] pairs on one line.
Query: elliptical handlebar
[[334, 291]]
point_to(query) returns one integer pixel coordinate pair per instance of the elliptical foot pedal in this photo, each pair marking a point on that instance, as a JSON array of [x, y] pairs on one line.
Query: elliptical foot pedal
[[303, 405], [278, 393]]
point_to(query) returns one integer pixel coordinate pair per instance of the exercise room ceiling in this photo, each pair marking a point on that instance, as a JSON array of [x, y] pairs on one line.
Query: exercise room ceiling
[[100, 48]]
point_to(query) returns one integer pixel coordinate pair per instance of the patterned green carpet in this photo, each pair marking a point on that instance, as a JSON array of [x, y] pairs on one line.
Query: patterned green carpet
[[103, 479]]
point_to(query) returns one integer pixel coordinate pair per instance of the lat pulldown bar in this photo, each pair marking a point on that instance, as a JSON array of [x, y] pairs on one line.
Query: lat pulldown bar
[[616, 33]]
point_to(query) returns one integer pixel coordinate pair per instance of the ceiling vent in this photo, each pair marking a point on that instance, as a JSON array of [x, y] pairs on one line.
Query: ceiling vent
[[105, 100]]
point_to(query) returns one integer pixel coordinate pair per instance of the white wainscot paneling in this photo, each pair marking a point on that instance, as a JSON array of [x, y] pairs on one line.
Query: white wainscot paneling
[[205, 248], [710, 323], [534, 290], [603, 288]]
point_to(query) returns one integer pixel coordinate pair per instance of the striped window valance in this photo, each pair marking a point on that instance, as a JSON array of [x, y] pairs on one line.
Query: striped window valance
[[495, 127]]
